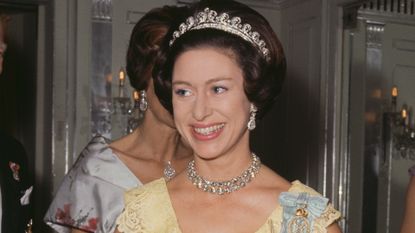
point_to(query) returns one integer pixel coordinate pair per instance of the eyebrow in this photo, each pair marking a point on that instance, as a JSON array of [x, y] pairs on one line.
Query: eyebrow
[[208, 82]]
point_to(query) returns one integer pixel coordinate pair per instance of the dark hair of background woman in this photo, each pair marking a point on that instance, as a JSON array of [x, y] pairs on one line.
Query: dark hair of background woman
[[146, 38]]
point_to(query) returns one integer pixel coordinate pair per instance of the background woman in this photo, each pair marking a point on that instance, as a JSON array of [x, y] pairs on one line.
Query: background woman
[[91, 195], [223, 70]]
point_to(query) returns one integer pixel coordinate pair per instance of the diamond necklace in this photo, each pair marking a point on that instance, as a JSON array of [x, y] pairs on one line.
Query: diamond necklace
[[169, 171], [224, 187]]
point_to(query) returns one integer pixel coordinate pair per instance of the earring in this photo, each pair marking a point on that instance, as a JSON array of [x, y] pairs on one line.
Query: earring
[[251, 123], [143, 105]]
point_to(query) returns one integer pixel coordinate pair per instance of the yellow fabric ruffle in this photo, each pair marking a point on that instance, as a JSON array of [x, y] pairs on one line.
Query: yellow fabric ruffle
[[148, 210]]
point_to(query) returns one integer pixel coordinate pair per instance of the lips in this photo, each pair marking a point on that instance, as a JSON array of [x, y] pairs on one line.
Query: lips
[[208, 132]]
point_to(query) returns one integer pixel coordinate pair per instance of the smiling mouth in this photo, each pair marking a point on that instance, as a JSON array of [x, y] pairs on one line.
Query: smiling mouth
[[209, 130]]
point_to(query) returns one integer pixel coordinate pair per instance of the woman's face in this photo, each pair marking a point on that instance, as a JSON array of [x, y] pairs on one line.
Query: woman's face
[[210, 107]]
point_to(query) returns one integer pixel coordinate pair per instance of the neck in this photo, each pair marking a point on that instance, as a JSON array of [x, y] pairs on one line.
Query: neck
[[158, 141], [228, 165]]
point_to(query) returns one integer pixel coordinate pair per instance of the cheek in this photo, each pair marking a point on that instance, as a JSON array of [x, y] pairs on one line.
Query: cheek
[[241, 113], [236, 106], [180, 123], [179, 113]]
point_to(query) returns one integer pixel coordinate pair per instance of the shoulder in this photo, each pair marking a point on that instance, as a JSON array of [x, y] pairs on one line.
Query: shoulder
[[303, 201], [96, 159], [297, 186], [97, 148], [127, 142], [411, 171], [95, 153], [270, 179], [411, 190], [77, 202], [90, 171]]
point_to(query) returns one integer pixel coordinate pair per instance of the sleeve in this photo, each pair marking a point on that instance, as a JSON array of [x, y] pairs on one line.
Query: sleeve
[[148, 209], [328, 217], [327, 214], [80, 203], [131, 219]]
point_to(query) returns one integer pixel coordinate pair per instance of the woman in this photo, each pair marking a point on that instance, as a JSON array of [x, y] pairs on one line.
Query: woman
[[91, 195], [408, 225], [224, 68]]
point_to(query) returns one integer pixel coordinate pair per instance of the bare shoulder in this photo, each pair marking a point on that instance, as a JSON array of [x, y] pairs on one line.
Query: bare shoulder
[[265, 190], [269, 178], [411, 187], [125, 143], [128, 148], [334, 228], [410, 195]]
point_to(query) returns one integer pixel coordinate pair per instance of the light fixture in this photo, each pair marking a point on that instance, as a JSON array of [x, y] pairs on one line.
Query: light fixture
[[401, 127]]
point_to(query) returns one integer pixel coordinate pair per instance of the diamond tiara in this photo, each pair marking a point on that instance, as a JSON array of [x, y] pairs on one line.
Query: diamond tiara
[[210, 19]]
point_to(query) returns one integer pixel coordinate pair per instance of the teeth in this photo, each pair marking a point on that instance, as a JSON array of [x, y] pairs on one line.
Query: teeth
[[209, 130]]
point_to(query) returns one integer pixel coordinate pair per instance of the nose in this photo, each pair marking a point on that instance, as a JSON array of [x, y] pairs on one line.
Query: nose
[[201, 108]]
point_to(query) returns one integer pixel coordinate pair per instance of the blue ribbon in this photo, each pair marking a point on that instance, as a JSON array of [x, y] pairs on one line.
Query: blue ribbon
[[314, 206]]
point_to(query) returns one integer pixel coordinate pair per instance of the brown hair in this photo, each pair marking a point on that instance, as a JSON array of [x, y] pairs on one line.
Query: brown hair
[[3, 21], [262, 78], [145, 42], [4, 18]]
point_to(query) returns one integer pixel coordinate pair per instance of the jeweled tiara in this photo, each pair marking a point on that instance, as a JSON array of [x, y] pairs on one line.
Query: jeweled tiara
[[210, 19]]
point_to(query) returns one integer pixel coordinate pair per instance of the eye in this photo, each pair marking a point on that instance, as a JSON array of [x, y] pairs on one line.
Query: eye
[[219, 89], [183, 92]]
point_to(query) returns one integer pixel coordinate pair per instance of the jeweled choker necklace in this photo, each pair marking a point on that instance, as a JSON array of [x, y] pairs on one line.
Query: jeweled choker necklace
[[224, 187]]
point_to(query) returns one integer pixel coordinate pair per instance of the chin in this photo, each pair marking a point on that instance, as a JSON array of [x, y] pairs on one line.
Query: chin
[[207, 153], [209, 149]]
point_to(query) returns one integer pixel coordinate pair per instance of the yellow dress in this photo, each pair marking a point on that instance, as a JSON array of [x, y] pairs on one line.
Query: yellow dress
[[148, 209]]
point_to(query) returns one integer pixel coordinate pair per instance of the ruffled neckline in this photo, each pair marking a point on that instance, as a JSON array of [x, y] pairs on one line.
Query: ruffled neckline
[[148, 205], [271, 224]]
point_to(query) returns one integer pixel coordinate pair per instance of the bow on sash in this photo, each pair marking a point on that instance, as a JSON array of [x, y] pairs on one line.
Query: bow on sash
[[300, 210]]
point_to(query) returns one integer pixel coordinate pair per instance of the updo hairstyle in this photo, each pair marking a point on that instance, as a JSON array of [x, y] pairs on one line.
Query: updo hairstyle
[[263, 77], [146, 39]]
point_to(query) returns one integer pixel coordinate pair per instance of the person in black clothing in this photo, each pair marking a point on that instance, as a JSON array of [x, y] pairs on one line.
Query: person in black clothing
[[15, 184]]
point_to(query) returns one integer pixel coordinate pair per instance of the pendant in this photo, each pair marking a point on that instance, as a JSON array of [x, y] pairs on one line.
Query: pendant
[[299, 223], [169, 171]]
